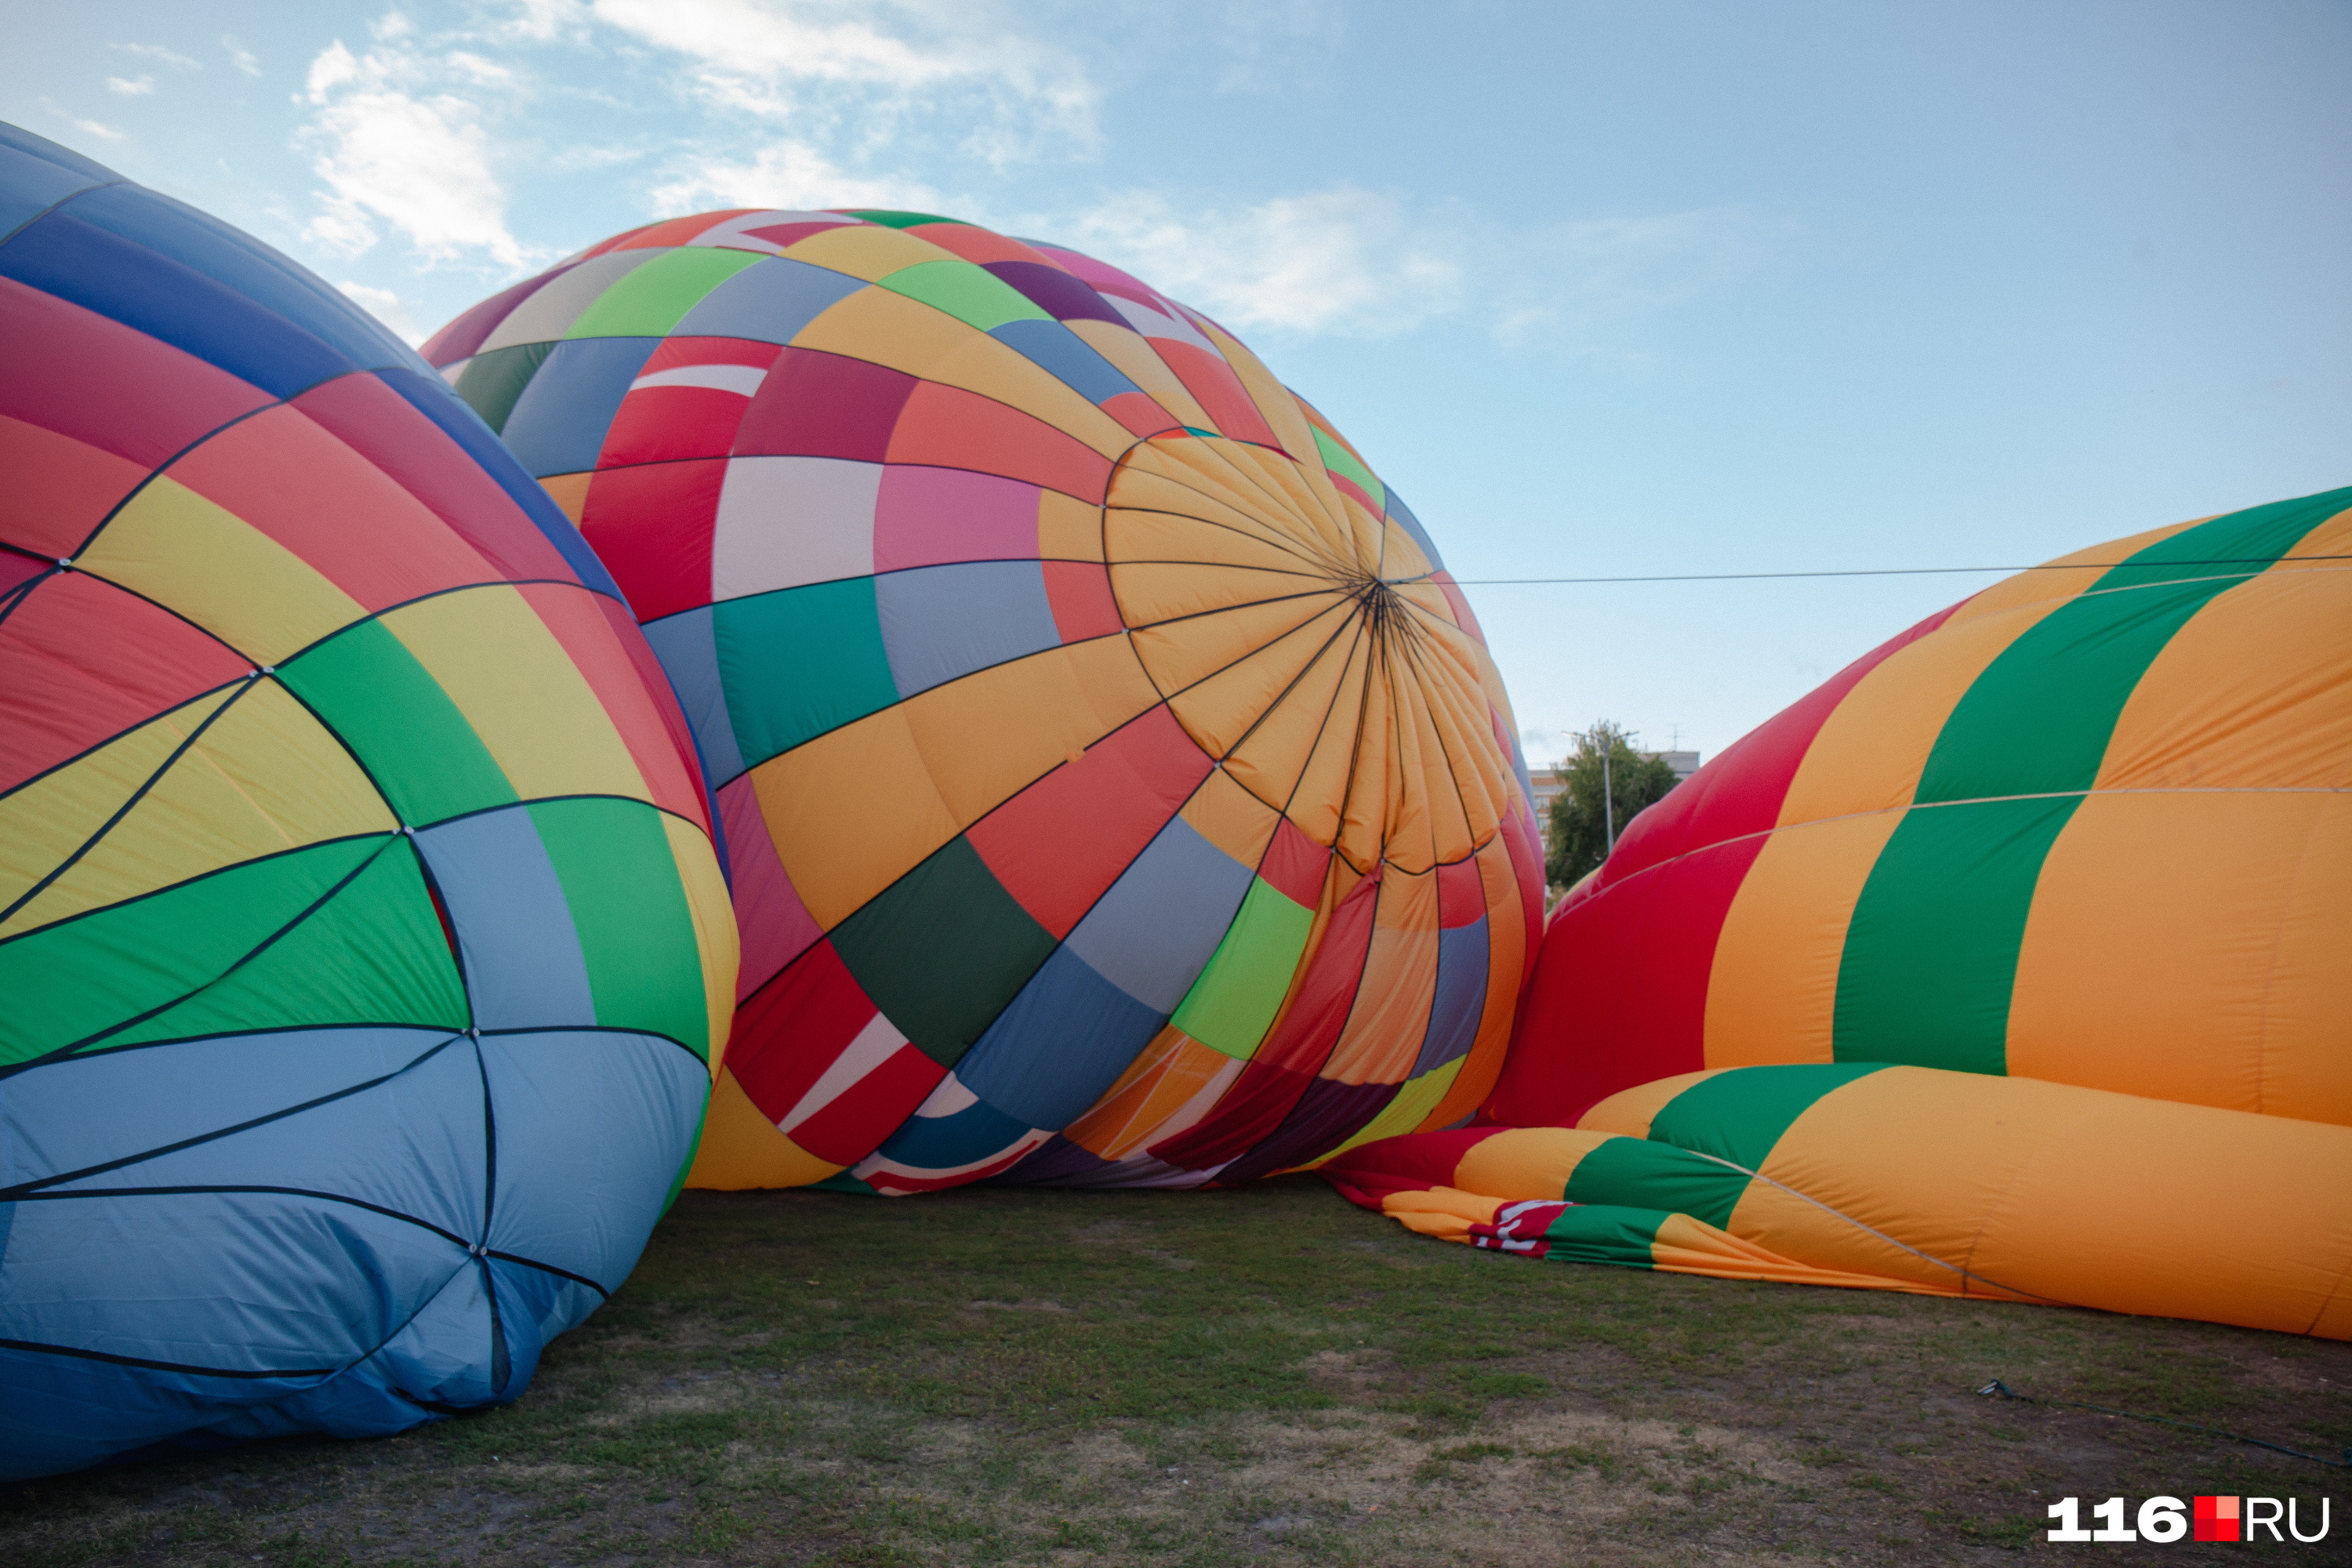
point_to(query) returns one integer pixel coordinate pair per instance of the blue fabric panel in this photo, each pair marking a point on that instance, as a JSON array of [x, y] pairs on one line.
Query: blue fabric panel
[[79, 1111], [945, 1143], [580, 1202], [535, 1306], [431, 396], [688, 645], [37, 174], [1053, 347], [1152, 934], [1461, 996], [768, 302], [559, 423], [1064, 1041], [101, 271], [237, 261], [413, 1145], [524, 969], [229, 1282], [1411, 524], [942, 622]]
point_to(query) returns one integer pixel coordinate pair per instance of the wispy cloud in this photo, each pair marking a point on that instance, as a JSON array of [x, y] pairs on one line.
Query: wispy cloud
[[387, 307], [161, 55], [130, 87], [239, 56], [784, 174], [99, 128], [390, 149]]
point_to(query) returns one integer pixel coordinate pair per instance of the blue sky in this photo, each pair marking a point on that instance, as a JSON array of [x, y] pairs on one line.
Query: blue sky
[[1599, 288]]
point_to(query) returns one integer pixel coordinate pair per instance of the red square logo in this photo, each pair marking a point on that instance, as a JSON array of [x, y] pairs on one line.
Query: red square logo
[[2216, 1518]]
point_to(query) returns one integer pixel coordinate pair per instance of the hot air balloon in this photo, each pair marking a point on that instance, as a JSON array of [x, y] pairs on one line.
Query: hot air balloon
[[1116, 788], [2009, 962], [364, 948]]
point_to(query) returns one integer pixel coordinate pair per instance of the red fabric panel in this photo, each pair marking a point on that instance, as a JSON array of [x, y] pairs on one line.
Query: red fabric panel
[[379, 424], [1296, 1048], [1141, 413], [787, 234], [678, 230], [1061, 843], [1079, 592], [1618, 996], [617, 242], [775, 926], [973, 245], [951, 428], [816, 404], [82, 661], [1294, 864], [576, 616], [99, 381], [662, 424], [289, 478], [1413, 1163], [1524, 842], [1461, 894], [655, 682], [789, 1032], [1212, 382], [855, 1122], [16, 568], [1349, 486], [463, 337], [1461, 602], [651, 527], [57, 489]]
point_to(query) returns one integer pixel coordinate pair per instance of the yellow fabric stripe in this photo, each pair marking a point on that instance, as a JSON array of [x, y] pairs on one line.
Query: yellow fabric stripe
[[519, 689], [1402, 1115], [741, 1149], [713, 913], [264, 777], [866, 250], [180, 550], [1630, 1112], [1527, 1162]]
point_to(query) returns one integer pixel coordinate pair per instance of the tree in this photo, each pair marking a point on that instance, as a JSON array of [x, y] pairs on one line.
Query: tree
[[1578, 836]]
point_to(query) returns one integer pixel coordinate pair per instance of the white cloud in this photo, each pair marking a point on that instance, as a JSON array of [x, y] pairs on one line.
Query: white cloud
[[391, 150], [1340, 260], [171, 58], [239, 56], [386, 307], [132, 86], [787, 174], [1015, 95], [89, 127], [1576, 275]]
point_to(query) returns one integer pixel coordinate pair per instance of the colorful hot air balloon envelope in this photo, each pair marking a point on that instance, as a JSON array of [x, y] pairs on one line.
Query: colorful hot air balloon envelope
[[1118, 790], [2075, 856], [363, 945]]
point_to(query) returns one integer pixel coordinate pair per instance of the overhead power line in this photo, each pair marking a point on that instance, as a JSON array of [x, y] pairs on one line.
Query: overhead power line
[[2264, 562]]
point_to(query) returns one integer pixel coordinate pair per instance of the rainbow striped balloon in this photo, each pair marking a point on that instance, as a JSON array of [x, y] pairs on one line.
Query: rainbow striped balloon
[[363, 949], [1118, 789]]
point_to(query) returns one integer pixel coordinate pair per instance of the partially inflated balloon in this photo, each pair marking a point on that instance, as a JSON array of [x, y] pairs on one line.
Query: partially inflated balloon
[[363, 946], [1116, 788]]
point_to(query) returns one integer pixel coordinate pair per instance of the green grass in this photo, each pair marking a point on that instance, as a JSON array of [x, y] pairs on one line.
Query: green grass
[[1266, 1376]]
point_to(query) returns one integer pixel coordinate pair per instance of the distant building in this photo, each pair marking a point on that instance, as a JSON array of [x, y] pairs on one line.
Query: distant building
[[1548, 783]]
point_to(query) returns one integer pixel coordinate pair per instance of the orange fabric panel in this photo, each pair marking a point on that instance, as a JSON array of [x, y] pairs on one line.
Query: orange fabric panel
[[1067, 528], [2308, 1006], [569, 492], [1230, 817], [1390, 1015], [1772, 993], [1527, 1162], [1133, 358], [1686, 1245], [741, 1149], [1630, 1112], [2149, 963]]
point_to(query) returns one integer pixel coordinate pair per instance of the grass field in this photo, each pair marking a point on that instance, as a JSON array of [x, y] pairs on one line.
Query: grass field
[[1265, 1376]]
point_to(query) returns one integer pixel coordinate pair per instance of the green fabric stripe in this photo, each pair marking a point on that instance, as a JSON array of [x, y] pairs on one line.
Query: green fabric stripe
[[1604, 1233], [942, 950], [971, 295], [67, 982], [492, 381], [1339, 460], [374, 953], [1930, 956], [890, 217], [1232, 1004], [650, 301], [1634, 1173], [636, 933], [1740, 1114], [797, 663], [415, 742]]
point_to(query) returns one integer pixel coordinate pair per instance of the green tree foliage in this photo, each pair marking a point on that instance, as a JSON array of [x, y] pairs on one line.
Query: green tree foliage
[[1578, 833]]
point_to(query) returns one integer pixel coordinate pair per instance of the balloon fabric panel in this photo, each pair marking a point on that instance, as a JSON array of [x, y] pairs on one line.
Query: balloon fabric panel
[[361, 1003], [1063, 679]]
